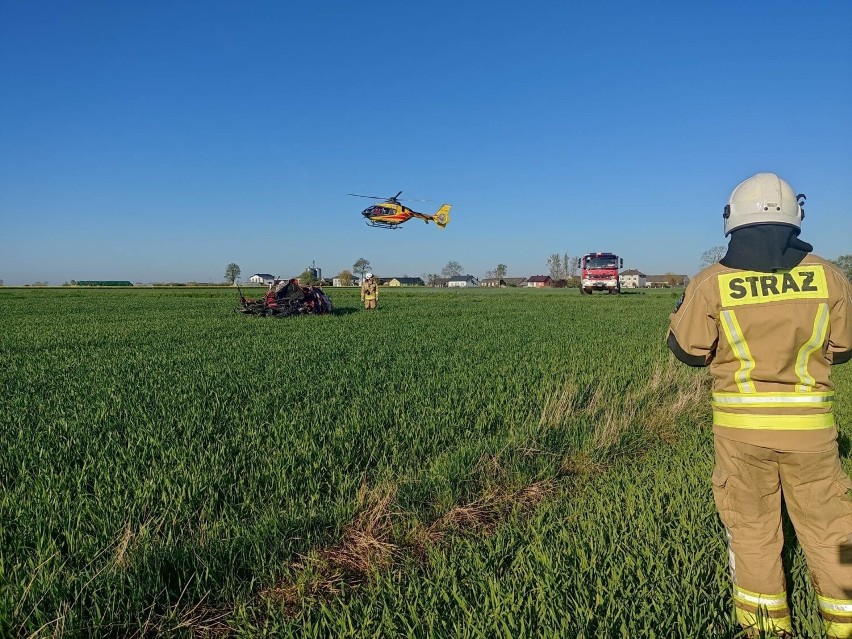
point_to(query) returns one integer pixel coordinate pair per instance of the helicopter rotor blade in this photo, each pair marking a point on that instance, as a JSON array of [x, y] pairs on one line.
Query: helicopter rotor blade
[[394, 198]]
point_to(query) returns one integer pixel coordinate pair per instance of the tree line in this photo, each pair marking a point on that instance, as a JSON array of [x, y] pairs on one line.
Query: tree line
[[560, 268]]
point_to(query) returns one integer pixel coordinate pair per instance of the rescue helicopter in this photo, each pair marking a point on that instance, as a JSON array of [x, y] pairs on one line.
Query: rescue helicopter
[[390, 213]]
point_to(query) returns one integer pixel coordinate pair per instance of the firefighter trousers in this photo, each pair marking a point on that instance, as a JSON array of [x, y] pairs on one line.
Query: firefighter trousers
[[748, 484]]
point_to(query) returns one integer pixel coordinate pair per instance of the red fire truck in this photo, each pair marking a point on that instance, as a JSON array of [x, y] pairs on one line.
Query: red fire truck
[[599, 272]]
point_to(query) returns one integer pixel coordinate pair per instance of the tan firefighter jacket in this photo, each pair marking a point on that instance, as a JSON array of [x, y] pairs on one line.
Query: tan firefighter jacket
[[370, 290], [769, 339]]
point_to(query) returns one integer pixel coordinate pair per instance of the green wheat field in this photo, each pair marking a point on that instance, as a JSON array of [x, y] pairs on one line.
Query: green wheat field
[[471, 463]]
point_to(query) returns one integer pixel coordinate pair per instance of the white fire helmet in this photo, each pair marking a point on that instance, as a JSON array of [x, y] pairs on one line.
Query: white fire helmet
[[368, 276], [764, 198]]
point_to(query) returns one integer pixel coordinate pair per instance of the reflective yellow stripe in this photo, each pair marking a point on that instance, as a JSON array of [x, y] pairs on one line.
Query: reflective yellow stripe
[[778, 400], [738, 344], [837, 630], [809, 348], [773, 422], [764, 604], [770, 602], [839, 607], [806, 281]]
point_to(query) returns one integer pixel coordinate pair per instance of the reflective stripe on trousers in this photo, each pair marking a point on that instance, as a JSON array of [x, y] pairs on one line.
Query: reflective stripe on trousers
[[747, 488], [837, 616]]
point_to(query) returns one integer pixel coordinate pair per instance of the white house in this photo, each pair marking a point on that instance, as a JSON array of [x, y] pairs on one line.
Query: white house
[[262, 278], [462, 280], [632, 278], [336, 281]]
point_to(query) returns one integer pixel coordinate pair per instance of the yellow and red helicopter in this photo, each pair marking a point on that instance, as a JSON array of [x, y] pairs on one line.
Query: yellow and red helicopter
[[390, 213]]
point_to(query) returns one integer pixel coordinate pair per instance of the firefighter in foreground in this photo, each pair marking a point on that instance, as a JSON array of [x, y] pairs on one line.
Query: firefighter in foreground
[[770, 319], [369, 291]]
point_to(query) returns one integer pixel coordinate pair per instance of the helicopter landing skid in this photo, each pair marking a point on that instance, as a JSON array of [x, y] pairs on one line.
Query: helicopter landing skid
[[383, 225]]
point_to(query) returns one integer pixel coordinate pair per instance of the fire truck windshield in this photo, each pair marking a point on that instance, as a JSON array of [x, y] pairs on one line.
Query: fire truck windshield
[[601, 262]]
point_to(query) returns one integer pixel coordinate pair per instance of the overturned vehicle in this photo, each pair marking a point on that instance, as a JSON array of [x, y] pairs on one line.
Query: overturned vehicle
[[286, 298]]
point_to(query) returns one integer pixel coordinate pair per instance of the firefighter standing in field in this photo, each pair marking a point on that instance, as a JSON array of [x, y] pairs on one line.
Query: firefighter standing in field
[[369, 291], [770, 319]]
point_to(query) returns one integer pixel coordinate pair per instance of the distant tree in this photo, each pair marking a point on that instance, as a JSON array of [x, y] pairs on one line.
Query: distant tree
[[490, 275], [569, 266], [452, 269], [232, 273], [432, 279], [712, 255], [501, 271], [844, 263], [554, 265], [1, 282], [345, 278], [307, 277], [361, 266]]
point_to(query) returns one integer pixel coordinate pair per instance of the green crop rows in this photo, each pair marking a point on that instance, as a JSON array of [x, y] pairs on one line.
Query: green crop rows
[[457, 464]]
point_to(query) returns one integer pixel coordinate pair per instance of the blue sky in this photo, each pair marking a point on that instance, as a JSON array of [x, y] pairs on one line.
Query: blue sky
[[159, 141]]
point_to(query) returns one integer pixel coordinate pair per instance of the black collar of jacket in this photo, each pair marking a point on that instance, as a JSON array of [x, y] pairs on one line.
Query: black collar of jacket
[[765, 248]]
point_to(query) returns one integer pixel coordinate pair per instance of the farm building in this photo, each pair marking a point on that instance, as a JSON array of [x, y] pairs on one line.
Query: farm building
[[632, 278], [503, 281], [405, 281], [669, 280], [262, 278], [460, 281], [539, 281], [314, 271]]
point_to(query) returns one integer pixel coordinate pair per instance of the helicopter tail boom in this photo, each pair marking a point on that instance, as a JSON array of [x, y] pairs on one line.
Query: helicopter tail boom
[[442, 217]]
